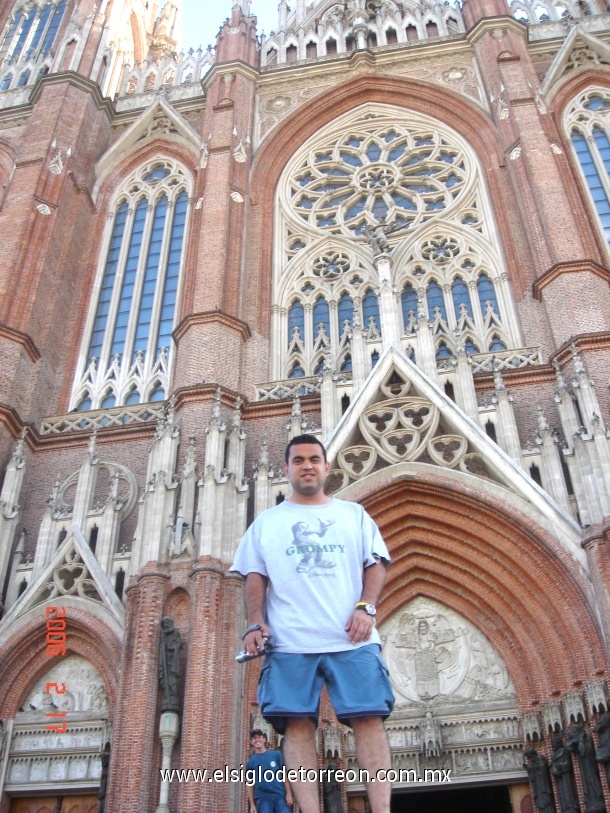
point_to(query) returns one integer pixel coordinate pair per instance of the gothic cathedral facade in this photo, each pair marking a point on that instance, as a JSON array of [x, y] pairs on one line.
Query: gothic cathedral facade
[[387, 223]]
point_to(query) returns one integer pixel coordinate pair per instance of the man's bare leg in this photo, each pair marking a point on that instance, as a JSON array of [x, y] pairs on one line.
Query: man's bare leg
[[299, 751], [373, 754]]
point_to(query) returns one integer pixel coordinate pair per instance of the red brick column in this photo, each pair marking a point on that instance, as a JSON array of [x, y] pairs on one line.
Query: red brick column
[[201, 697], [134, 775]]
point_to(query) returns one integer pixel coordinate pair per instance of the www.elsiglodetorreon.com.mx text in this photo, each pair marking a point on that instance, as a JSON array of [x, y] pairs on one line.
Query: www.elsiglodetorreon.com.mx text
[[251, 777]]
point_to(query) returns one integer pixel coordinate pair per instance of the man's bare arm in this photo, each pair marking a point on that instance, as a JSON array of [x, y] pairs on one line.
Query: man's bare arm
[[254, 593], [360, 624]]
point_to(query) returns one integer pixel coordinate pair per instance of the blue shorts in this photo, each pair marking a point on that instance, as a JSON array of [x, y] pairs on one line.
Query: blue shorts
[[271, 804], [357, 681]]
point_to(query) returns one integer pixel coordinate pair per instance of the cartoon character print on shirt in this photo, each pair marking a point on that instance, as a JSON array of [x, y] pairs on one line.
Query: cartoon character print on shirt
[[308, 543]]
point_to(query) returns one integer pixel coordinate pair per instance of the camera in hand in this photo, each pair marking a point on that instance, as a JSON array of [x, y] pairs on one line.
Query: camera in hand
[[243, 657]]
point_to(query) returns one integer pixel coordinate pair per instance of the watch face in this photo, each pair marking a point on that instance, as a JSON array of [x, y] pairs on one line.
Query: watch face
[[371, 609]]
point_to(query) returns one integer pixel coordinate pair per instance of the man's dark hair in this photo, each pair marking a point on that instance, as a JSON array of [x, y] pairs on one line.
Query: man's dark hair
[[309, 439], [258, 731]]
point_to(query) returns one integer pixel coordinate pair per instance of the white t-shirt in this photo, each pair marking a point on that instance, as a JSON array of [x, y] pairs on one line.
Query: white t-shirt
[[313, 556]]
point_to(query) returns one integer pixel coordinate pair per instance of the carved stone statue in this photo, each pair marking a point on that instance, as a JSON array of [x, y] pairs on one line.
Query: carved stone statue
[[101, 796], [581, 744], [602, 728], [537, 768], [169, 665], [563, 771], [331, 790], [377, 236]]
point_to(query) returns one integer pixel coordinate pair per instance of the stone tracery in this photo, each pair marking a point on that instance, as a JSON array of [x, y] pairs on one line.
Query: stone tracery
[[383, 181]]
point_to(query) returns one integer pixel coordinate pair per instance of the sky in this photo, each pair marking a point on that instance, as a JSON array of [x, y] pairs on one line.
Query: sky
[[201, 19]]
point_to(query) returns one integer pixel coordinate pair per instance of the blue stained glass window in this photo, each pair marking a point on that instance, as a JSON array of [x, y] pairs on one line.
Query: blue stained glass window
[[355, 209], [471, 349], [346, 366], [6, 82], [23, 79], [157, 394], [370, 307], [109, 400], [596, 103], [487, 293], [23, 35], [150, 277], [435, 299], [497, 344], [408, 299], [335, 172], [129, 279], [319, 368], [374, 358], [380, 208], [350, 159], [133, 397], [459, 292], [603, 145], [296, 318], [592, 178], [40, 29], [373, 153], [321, 316], [396, 152], [296, 371], [156, 174], [84, 404], [103, 305], [345, 310], [170, 292], [52, 30], [8, 39], [403, 202], [443, 351]]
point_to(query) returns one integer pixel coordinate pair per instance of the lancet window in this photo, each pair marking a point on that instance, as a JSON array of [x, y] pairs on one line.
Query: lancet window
[[29, 37], [587, 121], [458, 293], [381, 181], [127, 350]]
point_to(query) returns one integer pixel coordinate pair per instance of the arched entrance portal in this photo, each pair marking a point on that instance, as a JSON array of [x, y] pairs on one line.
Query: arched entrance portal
[[479, 615], [480, 799]]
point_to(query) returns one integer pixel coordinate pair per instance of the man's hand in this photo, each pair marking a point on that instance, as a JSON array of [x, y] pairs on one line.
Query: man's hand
[[359, 626], [253, 642], [289, 798]]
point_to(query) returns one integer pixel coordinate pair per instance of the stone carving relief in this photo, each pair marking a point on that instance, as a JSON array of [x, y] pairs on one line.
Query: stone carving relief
[[85, 690], [456, 706], [43, 759], [437, 657]]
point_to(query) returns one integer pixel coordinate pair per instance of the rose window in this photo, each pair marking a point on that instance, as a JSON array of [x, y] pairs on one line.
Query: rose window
[[378, 174]]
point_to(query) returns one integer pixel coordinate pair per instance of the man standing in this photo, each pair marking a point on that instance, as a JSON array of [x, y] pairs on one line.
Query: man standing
[[266, 793], [314, 569]]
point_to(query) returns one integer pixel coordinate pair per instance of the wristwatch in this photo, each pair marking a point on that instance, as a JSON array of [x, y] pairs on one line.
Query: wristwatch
[[370, 609]]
